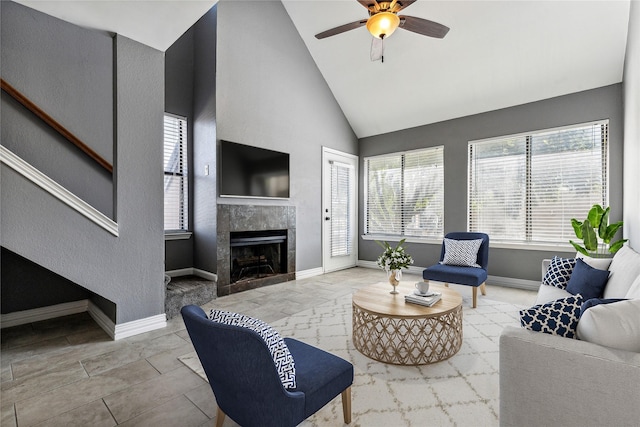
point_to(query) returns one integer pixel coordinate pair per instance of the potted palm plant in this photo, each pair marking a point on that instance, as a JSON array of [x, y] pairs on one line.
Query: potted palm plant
[[596, 233]]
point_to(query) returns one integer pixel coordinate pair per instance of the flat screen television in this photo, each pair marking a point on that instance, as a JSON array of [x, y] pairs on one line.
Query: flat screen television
[[247, 171]]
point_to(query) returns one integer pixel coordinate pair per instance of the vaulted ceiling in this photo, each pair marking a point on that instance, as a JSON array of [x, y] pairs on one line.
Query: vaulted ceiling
[[496, 55]]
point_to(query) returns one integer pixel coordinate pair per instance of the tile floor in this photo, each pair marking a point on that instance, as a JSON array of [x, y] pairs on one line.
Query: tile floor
[[67, 371]]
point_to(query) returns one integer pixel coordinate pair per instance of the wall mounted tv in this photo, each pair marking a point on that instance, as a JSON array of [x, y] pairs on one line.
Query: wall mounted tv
[[247, 171]]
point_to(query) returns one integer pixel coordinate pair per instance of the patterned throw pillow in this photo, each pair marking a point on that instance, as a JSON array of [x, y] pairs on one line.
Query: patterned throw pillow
[[559, 272], [278, 348], [558, 317], [461, 252]]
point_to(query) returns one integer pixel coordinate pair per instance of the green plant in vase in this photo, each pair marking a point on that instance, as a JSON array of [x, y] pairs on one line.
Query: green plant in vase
[[596, 233]]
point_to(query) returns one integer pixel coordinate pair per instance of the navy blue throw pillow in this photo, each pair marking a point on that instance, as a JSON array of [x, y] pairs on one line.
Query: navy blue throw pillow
[[558, 317], [597, 301], [587, 281]]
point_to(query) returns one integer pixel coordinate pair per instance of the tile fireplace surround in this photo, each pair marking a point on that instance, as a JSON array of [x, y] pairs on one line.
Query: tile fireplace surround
[[237, 218]]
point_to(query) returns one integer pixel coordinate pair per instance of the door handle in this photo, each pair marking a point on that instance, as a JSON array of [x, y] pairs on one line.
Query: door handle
[[326, 218]]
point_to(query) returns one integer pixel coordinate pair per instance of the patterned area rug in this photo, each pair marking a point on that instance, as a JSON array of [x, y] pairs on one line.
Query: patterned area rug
[[462, 390]]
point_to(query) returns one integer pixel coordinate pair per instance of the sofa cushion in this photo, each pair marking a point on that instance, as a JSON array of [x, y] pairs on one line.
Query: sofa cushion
[[559, 272], [623, 271], [282, 358], [599, 263], [587, 281], [548, 293], [597, 301], [559, 317], [461, 252], [634, 290], [613, 325]]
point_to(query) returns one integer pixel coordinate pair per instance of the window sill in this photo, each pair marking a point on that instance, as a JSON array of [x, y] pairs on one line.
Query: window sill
[[555, 247], [386, 238], [177, 235]]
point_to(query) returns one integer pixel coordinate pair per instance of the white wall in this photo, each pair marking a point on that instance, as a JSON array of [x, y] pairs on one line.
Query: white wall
[[631, 94]]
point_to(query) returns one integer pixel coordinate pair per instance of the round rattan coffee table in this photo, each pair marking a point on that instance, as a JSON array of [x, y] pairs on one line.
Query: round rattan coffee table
[[387, 329]]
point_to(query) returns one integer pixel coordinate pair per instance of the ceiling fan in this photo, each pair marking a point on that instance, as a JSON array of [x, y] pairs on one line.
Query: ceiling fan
[[383, 21]]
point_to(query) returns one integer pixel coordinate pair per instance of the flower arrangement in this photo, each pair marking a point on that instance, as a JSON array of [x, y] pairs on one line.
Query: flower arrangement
[[394, 258]]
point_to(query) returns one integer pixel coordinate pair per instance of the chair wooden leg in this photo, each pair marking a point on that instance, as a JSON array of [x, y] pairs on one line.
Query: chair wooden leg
[[475, 295], [346, 405], [483, 288], [220, 417]]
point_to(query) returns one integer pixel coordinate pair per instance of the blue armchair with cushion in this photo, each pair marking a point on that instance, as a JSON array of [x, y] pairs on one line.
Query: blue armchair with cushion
[[248, 386], [462, 265]]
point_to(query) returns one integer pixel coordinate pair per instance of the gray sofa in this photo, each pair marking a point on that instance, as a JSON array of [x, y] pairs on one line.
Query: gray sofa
[[547, 380]]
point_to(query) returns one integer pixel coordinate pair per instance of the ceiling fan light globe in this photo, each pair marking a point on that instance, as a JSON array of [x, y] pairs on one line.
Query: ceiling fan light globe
[[383, 24]]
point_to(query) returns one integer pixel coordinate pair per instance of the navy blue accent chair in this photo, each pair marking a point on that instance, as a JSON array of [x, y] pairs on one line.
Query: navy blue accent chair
[[459, 275], [245, 381]]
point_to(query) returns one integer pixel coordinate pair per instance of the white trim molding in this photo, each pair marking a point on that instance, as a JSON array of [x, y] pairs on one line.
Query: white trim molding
[[508, 282], [56, 190], [43, 313], [207, 275], [127, 329], [177, 235], [312, 272]]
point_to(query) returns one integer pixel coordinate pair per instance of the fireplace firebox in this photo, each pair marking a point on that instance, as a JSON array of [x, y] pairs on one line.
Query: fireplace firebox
[[257, 254]]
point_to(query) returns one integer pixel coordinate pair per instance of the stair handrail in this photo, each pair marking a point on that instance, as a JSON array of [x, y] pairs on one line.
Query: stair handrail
[[55, 125]]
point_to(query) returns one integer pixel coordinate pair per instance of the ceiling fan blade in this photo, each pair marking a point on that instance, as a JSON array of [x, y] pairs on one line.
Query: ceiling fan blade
[[366, 3], [341, 29], [423, 26], [404, 4]]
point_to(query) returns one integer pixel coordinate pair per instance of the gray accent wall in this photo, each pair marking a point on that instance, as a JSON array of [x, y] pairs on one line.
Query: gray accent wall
[[596, 104], [178, 99], [67, 71], [631, 84], [271, 94], [125, 270], [204, 142]]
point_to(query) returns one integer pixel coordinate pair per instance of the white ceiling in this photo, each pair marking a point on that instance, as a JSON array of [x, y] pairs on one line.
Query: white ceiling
[[497, 54]]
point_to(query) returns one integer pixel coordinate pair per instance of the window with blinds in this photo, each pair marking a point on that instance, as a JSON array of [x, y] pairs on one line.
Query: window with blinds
[[175, 173], [405, 194], [526, 188]]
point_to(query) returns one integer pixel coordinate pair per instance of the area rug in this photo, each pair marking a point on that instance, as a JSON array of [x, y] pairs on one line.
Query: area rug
[[460, 391]]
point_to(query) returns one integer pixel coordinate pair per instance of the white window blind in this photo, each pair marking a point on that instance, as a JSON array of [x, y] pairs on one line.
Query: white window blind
[[405, 194], [175, 173], [526, 188], [341, 209]]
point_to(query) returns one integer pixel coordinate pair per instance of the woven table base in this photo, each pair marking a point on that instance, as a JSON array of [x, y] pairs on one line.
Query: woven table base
[[407, 340]]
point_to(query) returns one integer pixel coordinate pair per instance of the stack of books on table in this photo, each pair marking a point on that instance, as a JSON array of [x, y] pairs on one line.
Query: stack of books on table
[[426, 300]]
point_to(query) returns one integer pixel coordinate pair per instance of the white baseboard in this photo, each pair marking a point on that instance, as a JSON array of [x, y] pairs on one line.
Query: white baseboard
[[128, 329], [192, 272], [135, 327], [305, 274], [508, 282], [116, 332], [101, 319], [43, 313], [205, 274]]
